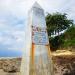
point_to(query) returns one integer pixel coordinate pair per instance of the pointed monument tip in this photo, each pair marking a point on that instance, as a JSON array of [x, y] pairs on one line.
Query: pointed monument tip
[[37, 5]]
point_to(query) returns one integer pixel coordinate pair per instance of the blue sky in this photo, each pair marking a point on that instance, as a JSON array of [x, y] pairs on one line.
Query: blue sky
[[13, 21]]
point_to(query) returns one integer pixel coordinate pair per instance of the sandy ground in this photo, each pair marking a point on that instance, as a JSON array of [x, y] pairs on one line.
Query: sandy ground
[[5, 73]]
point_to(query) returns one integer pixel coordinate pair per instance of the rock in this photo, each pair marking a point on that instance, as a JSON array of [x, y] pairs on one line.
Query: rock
[[11, 65], [1, 63]]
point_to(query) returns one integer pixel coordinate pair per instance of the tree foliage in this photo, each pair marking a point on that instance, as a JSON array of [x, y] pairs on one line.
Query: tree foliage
[[64, 41], [68, 38], [57, 22]]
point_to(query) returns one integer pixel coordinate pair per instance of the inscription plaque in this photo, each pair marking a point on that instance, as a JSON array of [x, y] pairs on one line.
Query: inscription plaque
[[39, 36]]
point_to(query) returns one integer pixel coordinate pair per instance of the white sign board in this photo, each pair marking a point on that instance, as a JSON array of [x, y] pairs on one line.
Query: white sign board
[[39, 36]]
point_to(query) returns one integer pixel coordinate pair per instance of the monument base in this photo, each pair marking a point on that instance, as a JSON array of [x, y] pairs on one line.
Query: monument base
[[40, 61]]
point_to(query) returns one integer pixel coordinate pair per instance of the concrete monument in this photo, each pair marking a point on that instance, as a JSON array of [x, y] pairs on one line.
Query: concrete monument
[[37, 56]]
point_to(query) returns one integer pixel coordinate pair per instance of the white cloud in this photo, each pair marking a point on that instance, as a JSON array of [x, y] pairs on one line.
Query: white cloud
[[13, 18], [19, 8], [13, 40]]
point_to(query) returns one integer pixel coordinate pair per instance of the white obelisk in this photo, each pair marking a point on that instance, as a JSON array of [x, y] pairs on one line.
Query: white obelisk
[[37, 56]]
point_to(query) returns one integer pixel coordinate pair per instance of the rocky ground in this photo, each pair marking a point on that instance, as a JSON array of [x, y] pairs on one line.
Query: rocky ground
[[10, 66], [63, 65], [7, 73]]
